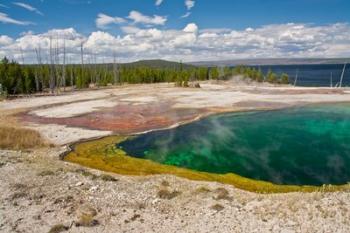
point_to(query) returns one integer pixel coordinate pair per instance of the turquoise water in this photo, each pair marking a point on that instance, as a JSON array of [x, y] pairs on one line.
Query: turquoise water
[[305, 145]]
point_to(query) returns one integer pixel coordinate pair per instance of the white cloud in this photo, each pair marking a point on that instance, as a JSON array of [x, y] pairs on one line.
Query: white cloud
[[2, 5], [186, 15], [192, 27], [5, 40], [189, 43], [158, 2], [138, 17], [189, 4], [104, 20], [4, 18], [28, 7], [130, 29]]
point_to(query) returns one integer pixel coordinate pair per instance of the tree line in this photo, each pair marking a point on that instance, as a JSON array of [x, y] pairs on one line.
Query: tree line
[[27, 79], [258, 76]]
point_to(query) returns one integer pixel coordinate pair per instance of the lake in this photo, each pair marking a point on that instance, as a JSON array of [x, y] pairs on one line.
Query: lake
[[312, 75]]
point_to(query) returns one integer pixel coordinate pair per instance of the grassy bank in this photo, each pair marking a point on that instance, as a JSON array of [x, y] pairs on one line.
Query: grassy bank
[[19, 139], [103, 155]]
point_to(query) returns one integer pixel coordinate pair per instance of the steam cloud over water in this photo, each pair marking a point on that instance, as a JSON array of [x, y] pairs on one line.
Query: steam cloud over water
[[292, 146]]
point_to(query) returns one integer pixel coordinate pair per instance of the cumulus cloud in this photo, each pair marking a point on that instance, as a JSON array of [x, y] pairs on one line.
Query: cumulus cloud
[[28, 7], [138, 17], [5, 40], [191, 27], [189, 4], [104, 20], [4, 18], [158, 2], [190, 43]]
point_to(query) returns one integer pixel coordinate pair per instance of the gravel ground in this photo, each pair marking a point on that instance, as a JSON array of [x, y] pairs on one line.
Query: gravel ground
[[40, 193]]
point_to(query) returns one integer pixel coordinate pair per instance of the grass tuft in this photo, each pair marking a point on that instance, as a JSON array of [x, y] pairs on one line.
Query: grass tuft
[[108, 178], [223, 194], [58, 228], [87, 220], [46, 173], [217, 207], [165, 183], [202, 189], [166, 194], [86, 173], [86, 217], [19, 139]]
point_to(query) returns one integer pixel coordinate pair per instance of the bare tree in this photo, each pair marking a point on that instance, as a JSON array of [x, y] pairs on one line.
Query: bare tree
[[296, 77], [342, 76], [38, 70], [22, 57], [71, 75], [64, 65], [82, 53], [96, 74], [57, 66], [115, 70], [52, 69], [82, 58]]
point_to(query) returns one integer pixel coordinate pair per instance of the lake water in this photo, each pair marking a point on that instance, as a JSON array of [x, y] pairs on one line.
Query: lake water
[[312, 75], [304, 145]]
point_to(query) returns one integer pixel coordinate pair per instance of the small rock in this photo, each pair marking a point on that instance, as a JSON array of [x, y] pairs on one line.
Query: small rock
[[79, 184], [93, 189], [155, 201]]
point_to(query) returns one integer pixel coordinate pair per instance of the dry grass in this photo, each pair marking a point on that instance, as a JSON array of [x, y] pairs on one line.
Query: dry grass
[[19, 139], [108, 178], [46, 173], [202, 189], [87, 220], [166, 194], [165, 183], [58, 228], [222, 194], [217, 207], [86, 217], [86, 173], [103, 177]]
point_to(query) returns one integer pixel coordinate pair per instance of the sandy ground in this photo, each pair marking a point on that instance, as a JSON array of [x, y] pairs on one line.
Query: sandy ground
[[38, 191]]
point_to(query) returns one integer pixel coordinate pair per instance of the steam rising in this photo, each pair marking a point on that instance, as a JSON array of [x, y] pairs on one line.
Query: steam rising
[[293, 146]]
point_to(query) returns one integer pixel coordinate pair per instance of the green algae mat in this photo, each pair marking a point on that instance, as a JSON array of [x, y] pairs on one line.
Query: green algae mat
[[295, 149]]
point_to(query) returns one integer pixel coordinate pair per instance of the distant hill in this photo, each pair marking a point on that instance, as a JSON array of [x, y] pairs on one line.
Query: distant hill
[[157, 64], [273, 61], [161, 64]]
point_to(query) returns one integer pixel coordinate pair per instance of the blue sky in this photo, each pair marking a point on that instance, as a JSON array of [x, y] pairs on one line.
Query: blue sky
[[122, 19], [81, 14]]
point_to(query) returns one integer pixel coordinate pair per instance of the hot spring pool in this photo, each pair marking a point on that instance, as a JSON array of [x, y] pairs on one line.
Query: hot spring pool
[[303, 146]]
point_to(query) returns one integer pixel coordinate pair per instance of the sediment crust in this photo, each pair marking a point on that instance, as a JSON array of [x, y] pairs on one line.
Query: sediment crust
[[38, 190]]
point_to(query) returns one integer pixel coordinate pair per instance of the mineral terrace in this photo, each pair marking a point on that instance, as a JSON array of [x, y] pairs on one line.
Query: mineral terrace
[[39, 192]]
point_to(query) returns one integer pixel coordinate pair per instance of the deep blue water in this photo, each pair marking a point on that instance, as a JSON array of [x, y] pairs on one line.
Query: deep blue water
[[312, 75]]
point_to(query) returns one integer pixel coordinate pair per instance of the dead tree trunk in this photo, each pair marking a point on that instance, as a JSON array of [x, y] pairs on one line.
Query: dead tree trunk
[[39, 75], [82, 60], [57, 66], [52, 70], [115, 70], [64, 65]]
